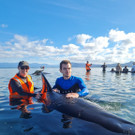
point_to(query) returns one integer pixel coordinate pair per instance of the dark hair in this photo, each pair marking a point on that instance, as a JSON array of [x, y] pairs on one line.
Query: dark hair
[[64, 62]]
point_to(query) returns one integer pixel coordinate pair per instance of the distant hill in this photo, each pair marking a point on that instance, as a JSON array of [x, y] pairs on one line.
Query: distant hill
[[36, 65], [15, 65]]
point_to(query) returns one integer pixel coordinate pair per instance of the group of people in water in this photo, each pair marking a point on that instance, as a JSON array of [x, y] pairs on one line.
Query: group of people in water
[[124, 70], [22, 89], [22, 86], [118, 68]]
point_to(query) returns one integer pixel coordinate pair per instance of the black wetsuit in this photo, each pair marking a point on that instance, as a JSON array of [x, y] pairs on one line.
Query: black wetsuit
[[104, 67], [125, 70]]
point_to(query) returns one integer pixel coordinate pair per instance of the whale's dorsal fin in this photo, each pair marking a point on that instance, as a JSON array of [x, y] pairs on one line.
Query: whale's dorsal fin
[[46, 87]]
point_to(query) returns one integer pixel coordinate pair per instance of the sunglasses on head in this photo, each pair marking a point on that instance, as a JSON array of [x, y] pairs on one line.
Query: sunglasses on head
[[24, 67]]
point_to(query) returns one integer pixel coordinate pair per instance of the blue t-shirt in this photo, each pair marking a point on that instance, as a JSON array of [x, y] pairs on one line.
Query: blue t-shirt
[[73, 84]]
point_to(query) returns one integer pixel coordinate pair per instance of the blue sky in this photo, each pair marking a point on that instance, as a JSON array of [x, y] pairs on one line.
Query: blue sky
[[48, 31]]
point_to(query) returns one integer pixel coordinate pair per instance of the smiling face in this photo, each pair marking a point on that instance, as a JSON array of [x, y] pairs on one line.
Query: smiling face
[[66, 71], [23, 71]]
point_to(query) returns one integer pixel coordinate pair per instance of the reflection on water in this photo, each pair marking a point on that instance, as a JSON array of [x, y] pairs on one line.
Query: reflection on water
[[21, 104], [87, 76], [114, 92], [66, 120]]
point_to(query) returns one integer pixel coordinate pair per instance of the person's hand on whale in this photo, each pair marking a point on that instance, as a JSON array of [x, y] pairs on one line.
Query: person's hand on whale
[[72, 95], [56, 90]]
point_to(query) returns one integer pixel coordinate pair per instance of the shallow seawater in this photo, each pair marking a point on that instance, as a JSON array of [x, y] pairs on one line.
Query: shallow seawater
[[114, 92]]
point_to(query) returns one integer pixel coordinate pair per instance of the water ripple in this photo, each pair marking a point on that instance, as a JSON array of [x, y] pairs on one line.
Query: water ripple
[[115, 93]]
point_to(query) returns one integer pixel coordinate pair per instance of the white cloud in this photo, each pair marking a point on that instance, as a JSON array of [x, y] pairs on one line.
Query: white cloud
[[4, 25], [70, 49], [116, 35], [82, 39], [98, 43], [116, 47], [92, 44]]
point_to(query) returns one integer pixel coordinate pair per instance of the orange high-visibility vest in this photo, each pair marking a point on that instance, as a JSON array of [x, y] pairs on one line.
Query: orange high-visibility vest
[[87, 66], [28, 89]]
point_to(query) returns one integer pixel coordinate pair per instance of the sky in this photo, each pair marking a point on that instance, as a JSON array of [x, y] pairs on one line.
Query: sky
[[48, 31]]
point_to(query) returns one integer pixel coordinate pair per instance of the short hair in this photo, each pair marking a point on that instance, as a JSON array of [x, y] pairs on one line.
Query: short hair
[[64, 62]]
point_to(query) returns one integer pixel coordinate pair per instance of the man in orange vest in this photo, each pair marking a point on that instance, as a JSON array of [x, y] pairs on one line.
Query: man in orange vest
[[87, 66], [21, 88]]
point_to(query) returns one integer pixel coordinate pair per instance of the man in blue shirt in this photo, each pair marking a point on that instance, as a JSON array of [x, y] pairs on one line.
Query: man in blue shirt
[[72, 86]]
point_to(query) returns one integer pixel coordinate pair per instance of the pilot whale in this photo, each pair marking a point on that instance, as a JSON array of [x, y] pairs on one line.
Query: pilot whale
[[83, 109]]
